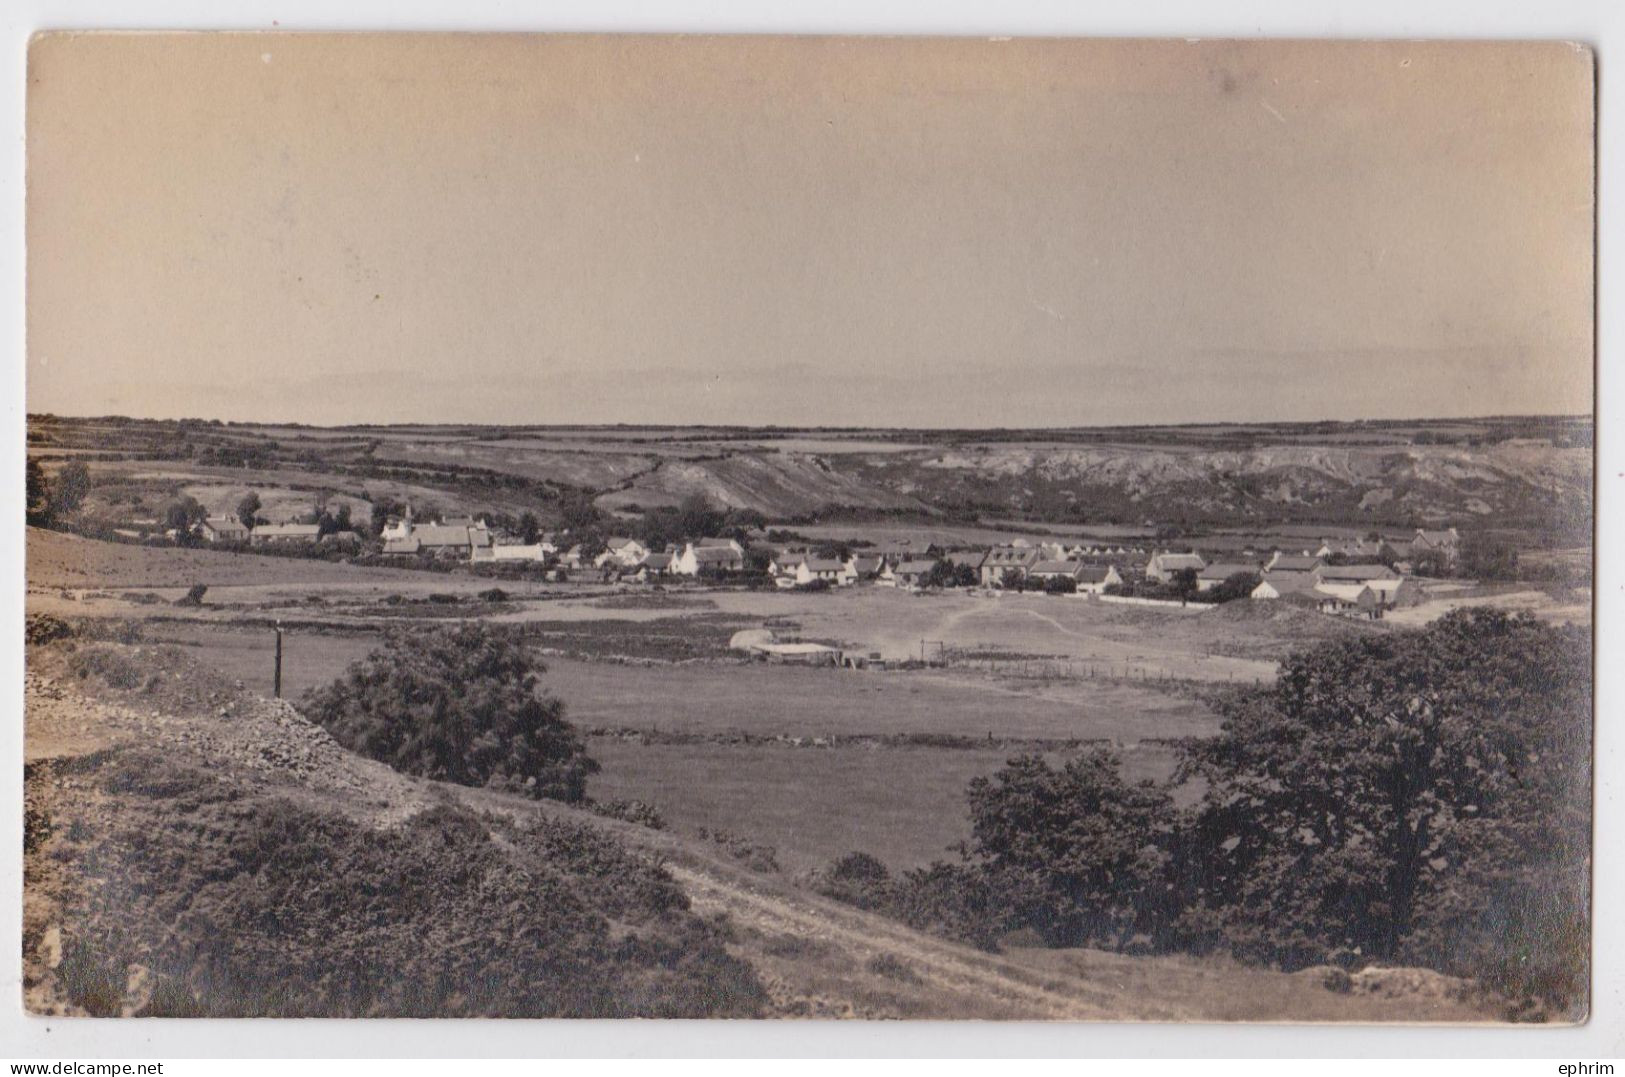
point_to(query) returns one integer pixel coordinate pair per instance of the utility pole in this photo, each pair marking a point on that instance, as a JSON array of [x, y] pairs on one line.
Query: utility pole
[[276, 684]]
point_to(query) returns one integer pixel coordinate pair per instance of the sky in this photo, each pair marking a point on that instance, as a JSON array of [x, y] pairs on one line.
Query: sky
[[806, 231]]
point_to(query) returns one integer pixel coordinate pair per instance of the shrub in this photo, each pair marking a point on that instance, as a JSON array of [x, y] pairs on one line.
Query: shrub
[[631, 811], [756, 857], [193, 597], [494, 594], [244, 904], [109, 664], [458, 705], [857, 879], [41, 628]]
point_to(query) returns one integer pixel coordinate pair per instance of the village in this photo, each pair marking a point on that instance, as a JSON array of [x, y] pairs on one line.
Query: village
[[1354, 577]]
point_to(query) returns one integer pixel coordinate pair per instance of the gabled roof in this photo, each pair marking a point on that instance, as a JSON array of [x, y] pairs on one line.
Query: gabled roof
[[867, 565], [1437, 538], [916, 568], [1288, 583], [1223, 570], [621, 542], [1352, 573], [825, 564], [972, 558], [1056, 568], [790, 560], [410, 544], [710, 542], [1094, 573], [226, 523], [716, 554], [1177, 561], [1291, 562], [443, 534], [1012, 557], [287, 530], [660, 561]]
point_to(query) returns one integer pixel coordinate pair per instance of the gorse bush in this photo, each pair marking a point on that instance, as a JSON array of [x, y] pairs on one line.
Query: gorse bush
[[459, 705], [246, 904]]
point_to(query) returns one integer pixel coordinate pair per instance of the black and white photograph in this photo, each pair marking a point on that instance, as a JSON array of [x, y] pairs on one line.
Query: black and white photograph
[[570, 525]]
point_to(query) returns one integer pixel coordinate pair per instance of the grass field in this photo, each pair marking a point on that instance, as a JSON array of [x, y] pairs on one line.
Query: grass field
[[905, 805]]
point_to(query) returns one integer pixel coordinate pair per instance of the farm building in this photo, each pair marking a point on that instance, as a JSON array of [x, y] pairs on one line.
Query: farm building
[[1008, 559], [913, 573], [623, 551], [535, 552], [658, 564], [865, 567], [1055, 570], [786, 564], [1216, 573], [407, 546], [827, 569], [697, 557], [1445, 543], [1094, 579], [1292, 562], [451, 539], [224, 529], [1162, 566], [266, 534], [971, 559]]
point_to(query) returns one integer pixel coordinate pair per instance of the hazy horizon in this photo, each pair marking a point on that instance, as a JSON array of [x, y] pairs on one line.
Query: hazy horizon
[[807, 232]]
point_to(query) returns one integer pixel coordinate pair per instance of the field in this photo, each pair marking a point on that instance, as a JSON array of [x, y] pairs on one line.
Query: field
[[807, 763]]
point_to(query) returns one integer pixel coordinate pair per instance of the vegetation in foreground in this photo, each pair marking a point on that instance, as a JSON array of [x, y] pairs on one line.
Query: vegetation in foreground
[[1412, 798], [233, 903], [459, 705]]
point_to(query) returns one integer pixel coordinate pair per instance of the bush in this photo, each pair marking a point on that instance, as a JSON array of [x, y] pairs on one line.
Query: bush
[[458, 705], [193, 597], [41, 628], [111, 665], [857, 879], [631, 811], [756, 857], [244, 904], [494, 594]]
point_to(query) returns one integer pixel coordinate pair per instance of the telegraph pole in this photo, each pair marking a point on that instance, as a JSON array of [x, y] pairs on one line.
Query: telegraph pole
[[276, 684]]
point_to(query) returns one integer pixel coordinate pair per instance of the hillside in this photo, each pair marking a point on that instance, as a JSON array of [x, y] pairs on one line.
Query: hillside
[[1532, 475], [123, 780]]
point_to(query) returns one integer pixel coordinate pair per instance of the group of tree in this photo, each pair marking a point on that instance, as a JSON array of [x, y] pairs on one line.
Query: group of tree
[[53, 499], [1417, 797]]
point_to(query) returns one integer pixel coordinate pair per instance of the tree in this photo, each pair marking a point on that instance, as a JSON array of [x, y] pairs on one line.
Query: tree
[[529, 529], [1405, 797], [457, 705], [248, 509], [1183, 583], [68, 489], [1060, 585], [382, 509], [37, 508], [1080, 855], [578, 513], [184, 516], [1485, 557], [696, 517], [1237, 585]]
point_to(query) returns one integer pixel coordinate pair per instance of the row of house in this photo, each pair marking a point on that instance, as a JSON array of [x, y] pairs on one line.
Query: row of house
[[231, 529]]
